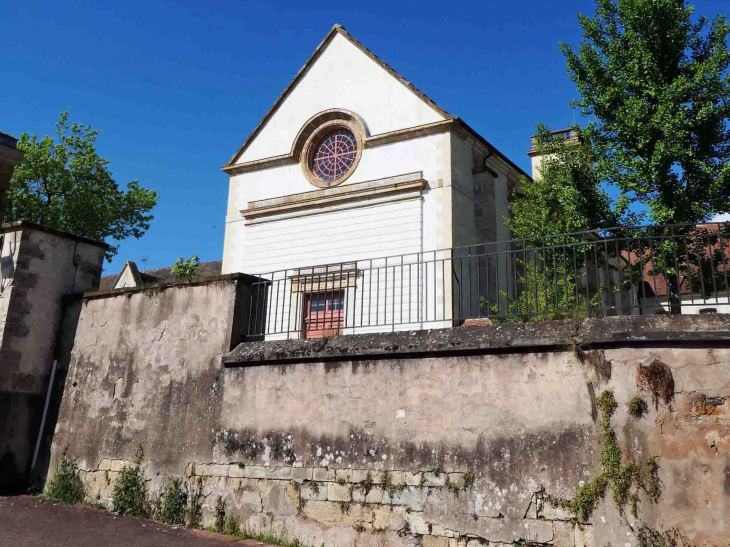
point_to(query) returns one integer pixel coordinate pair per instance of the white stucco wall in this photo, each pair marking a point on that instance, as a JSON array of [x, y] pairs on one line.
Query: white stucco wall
[[366, 231], [342, 77], [426, 224]]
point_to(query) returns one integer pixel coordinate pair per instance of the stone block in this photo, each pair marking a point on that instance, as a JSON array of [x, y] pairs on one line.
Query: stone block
[[278, 473], [438, 530], [351, 475], [431, 541], [201, 469], [432, 479], [388, 517], [563, 533], [255, 472], [310, 492], [417, 523], [411, 497], [301, 474], [337, 514], [236, 471], [412, 479], [118, 465], [281, 499], [105, 464], [375, 495], [217, 469], [338, 492], [457, 479], [397, 477], [323, 474]]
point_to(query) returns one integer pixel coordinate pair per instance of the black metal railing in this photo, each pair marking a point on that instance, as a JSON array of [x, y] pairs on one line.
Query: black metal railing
[[635, 270]]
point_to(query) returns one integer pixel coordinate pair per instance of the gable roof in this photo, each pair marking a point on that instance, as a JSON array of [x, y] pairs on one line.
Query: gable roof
[[150, 277], [339, 29]]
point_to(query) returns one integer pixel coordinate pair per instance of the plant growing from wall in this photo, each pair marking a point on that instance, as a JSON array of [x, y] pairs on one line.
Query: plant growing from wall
[[625, 479], [130, 489], [386, 480], [186, 269], [66, 486], [173, 501], [195, 505], [637, 406], [220, 515], [231, 527]]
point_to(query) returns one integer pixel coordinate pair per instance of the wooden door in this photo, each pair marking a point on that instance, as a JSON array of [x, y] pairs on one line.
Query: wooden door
[[323, 314]]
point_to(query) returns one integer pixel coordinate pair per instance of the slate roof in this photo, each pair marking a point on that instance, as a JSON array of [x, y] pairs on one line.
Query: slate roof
[[162, 274]]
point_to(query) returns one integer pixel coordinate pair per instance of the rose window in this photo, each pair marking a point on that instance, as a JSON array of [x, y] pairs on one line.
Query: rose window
[[334, 155]]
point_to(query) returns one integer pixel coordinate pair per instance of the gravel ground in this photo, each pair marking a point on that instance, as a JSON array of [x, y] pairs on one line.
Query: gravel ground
[[27, 521]]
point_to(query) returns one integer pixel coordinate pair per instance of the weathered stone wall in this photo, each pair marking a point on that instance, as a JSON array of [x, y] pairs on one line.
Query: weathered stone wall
[[449, 438], [38, 266]]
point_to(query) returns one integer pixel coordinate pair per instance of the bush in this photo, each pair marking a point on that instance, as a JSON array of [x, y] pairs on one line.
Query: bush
[[173, 501], [185, 269], [66, 486], [231, 528], [220, 515], [130, 490]]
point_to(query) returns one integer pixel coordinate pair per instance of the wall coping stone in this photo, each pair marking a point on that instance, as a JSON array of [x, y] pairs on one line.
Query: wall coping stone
[[155, 287], [16, 225], [507, 337]]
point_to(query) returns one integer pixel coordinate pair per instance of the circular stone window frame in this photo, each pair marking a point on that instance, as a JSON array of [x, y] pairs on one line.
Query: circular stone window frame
[[314, 139]]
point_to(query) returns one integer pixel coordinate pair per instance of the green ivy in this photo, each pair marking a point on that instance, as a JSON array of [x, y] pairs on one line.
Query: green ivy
[[624, 478]]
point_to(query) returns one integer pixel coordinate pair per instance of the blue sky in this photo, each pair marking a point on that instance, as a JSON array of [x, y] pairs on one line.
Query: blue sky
[[176, 86]]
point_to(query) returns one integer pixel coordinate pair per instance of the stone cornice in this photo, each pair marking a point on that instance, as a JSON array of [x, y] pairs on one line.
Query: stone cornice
[[656, 330], [368, 142], [334, 196]]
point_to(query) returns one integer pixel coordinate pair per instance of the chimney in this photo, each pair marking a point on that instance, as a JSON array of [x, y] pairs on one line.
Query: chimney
[[569, 135]]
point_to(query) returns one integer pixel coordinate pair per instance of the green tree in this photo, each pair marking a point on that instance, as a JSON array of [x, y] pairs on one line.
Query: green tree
[[186, 269], [567, 197], [657, 89], [546, 215], [64, 184]]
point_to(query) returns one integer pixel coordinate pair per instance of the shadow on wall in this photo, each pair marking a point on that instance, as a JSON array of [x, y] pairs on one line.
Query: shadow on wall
[[64, 343]]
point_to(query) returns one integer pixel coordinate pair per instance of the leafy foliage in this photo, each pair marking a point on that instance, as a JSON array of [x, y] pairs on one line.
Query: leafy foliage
[[130, 489], [66, 486], [173, 501], [220, 515], [656, 88], [186, 269], [63, 183], [657, 85], [231, 527], [566, 198]]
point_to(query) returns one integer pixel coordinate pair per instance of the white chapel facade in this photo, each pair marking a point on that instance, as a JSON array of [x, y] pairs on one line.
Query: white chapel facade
[[350, 166]]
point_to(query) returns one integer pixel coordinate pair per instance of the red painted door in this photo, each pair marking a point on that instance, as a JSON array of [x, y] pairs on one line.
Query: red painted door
[[323, 314]]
